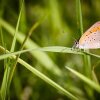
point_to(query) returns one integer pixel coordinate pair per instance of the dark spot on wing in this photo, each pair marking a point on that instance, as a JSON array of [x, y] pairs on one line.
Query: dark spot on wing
[[90, 31]]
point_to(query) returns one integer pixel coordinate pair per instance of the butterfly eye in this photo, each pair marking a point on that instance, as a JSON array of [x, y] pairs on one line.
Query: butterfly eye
[[76, 44]]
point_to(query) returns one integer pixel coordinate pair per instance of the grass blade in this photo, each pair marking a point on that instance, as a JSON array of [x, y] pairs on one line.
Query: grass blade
[[42, 57], [16, 31], [86, 58], [9, 65], [47, 49], [85, 79], [46, 79], [79, 16]]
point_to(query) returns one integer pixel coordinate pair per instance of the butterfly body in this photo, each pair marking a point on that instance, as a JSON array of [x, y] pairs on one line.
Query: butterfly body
[[91, 38]]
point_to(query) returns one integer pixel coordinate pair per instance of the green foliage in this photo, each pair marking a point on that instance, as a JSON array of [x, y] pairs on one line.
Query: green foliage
[[46, 28]]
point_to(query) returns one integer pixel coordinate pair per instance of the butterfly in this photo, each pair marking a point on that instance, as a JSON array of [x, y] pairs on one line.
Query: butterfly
[[91, 38]]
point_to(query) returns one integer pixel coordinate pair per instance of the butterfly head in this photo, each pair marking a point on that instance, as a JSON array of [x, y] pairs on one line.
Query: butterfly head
[[76, 44]]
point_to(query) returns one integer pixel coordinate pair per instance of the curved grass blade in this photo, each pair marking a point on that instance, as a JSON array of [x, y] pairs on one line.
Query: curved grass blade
[[45, 78], [48, 49], [9, 65], [85, 79], [42, 57]]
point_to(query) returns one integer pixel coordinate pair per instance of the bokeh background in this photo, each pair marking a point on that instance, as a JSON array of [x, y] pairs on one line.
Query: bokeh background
[[58, 28]]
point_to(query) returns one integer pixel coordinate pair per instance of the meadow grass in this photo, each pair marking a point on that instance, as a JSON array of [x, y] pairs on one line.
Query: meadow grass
[[50, 60]]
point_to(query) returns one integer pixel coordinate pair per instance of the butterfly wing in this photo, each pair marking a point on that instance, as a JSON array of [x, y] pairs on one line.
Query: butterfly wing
[[92, 41], [91, 38]]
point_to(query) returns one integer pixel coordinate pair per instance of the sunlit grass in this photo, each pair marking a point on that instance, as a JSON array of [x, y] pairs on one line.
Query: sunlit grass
[[39, 31]]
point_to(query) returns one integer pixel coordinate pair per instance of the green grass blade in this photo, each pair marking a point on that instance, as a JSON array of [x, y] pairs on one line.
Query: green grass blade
[[4, 88], [32, 30], [24, 41], [86, 58], [48, 49], [15, 34], [47, 80], [85, 79], [23, 20], [9, 65], [1, 36], [79, 16], [42, 57]]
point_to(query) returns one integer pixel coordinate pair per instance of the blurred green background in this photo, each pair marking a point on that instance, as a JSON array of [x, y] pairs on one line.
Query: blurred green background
[[59, 28]]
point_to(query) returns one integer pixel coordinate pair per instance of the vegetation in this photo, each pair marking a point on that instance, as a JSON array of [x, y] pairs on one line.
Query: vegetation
[[37, 61]]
